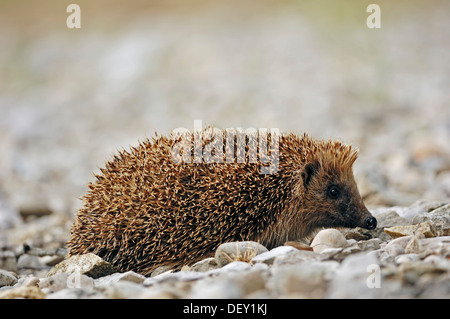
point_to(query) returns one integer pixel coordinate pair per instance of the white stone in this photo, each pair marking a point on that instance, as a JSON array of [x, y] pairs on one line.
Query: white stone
[[74, 293], [401, 241], [238, 251], [328, 238], [231, 267], [126, 276], [355, 276], [307, 279], [54, 283], [123, 290], [269, 256], [8, 261], [87, 264], [175, 276], [6, 278], [205, 265], [63, 280], [406, 258], [394, 250], [215, 288]]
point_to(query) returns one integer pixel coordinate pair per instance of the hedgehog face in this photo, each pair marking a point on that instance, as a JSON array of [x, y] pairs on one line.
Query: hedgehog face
[[337, 202]]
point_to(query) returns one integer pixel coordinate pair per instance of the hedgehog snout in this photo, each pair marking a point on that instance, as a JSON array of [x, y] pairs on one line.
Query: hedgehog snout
[[370, 222]]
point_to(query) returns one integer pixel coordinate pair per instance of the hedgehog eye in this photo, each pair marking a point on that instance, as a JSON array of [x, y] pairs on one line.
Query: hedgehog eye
[[333, 192]]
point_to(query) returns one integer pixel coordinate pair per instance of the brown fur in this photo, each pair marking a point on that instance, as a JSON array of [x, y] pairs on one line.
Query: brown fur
[[144, 211]]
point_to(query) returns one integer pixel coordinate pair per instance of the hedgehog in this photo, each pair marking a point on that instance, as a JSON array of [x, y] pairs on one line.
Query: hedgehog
[[146, 209]]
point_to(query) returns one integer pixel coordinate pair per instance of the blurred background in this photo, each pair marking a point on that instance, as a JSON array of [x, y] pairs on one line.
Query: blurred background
[[70, 98]]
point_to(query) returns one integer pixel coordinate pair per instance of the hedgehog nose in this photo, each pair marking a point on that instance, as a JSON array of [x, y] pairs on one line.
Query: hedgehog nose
[[370, 223]]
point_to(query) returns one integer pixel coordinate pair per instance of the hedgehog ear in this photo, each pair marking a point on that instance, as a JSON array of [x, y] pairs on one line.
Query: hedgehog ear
[[309, 172]]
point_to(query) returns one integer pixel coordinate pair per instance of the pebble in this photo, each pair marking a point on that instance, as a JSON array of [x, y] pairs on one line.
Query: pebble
[[7, 278], [295, 257], [160, 270], [406, 258], [65, 280], [268, 257], [29, 281], [439, 218], [87, 264], [401, 242], [411, 272], [126, 276], [425, 229], [390, 218], [298, 245], [55, 282], [437, 260], [25, 292], [328, 238], [439, 246], [369, 244], [237, 251], [352, 277], [215, 288], [9, 217], [304, 280], [8, 260], [75, 293], [232, 267], [123, 290], [174, 277], [30, 262], [204, 265], [252, 281], [395, 250], [413, 245], [356, 234]]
